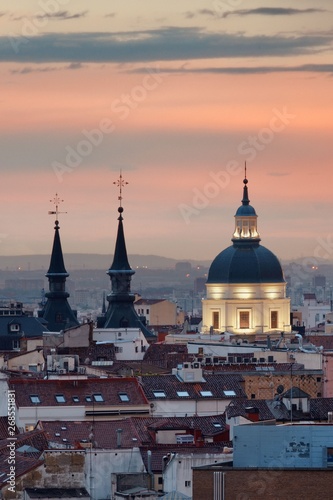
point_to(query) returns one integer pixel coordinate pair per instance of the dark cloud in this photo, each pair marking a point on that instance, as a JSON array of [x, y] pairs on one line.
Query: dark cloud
[[207, 12], [269, 11], [45, 69], [28, 69], [165, 44], [63, 15], [278, 174], [243, 70]]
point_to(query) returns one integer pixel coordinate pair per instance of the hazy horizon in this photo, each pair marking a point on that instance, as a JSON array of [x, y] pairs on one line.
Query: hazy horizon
[[177, 97]]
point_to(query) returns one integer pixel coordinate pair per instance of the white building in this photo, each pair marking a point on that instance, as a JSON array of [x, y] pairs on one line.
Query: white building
[[246, 290]]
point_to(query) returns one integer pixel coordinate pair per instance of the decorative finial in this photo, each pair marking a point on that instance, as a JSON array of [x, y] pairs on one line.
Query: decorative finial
[[56, 201], [245, 181], [120, 183]]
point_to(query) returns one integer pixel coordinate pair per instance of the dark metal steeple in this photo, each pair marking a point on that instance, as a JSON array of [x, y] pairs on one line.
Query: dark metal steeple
[[245, 200], [56, 310], [121, 312]]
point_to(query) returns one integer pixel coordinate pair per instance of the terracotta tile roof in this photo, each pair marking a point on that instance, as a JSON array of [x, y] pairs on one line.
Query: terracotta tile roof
[[24, 461], [271, 409], [136, 431], [109, 388], [319, 408], [240, 408], [167, 355], [91, 353], [321, 340], [4, 428], [103, 434], [217, 383]]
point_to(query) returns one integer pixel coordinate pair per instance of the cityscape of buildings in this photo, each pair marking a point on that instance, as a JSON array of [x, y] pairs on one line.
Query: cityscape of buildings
[[166, 323], [217, 383]]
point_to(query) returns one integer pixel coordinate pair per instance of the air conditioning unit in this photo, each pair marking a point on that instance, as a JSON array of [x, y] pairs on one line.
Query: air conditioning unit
[[81, 370], [61, 371], [196, 365]]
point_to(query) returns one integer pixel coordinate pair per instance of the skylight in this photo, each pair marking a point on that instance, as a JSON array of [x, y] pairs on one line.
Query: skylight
[[98, 398], [182, 394], [76, 399], [229, 393], [88, 399], [34, 399], [60, 398], [217, 425], [159, 394], [123, 396], [206, 394]]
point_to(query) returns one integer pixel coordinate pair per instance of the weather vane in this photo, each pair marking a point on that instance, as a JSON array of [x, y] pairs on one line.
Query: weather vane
[[120, 183], [56, 201]]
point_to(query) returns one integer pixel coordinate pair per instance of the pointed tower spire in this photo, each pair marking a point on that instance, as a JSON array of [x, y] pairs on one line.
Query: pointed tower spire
[[245, 220], [56, 310], [121, 312], [245, 200]]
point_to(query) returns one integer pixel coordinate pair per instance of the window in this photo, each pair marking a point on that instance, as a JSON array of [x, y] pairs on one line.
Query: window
[[88, 399], [98, 398], [206, 394], [183, 394], [118, 349], [274, 319], [253, 396], [16, 344], [76, 399], [15, 327], [147, 311], [329, 457], [229, 393], [34, 399], [60, 398], [244, 319], [159, 394], [187, 484], [123, 396], [216, 320], [318, 379]]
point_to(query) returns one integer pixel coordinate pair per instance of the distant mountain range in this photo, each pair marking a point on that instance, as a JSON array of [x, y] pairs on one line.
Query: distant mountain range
[[75, 261], [78, 261]]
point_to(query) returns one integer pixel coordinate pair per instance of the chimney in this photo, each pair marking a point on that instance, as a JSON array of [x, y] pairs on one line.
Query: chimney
[[252, 413], [119, 431]]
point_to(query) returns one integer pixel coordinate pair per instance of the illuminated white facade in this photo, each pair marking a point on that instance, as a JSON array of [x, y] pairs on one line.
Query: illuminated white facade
[[245, 289]]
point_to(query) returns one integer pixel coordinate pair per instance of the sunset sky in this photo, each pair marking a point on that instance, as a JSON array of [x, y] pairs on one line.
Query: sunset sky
[[176, 95]]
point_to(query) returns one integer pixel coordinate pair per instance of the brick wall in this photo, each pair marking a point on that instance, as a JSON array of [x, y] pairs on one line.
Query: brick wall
[[245, 484]]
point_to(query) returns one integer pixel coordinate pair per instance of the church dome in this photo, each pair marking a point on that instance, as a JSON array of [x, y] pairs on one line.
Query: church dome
[[245, 263]]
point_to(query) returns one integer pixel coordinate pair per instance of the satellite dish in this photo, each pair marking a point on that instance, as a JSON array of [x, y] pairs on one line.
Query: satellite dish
[[280, 389]]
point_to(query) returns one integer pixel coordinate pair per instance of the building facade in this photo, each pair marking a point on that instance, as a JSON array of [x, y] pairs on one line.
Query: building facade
[[245, 289]]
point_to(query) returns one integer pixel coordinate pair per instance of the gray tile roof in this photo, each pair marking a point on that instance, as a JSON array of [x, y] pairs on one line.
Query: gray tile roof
[[217, 383]]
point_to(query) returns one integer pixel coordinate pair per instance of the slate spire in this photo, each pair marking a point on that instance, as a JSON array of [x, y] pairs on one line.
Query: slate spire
[[56, 310], [120, 312]]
